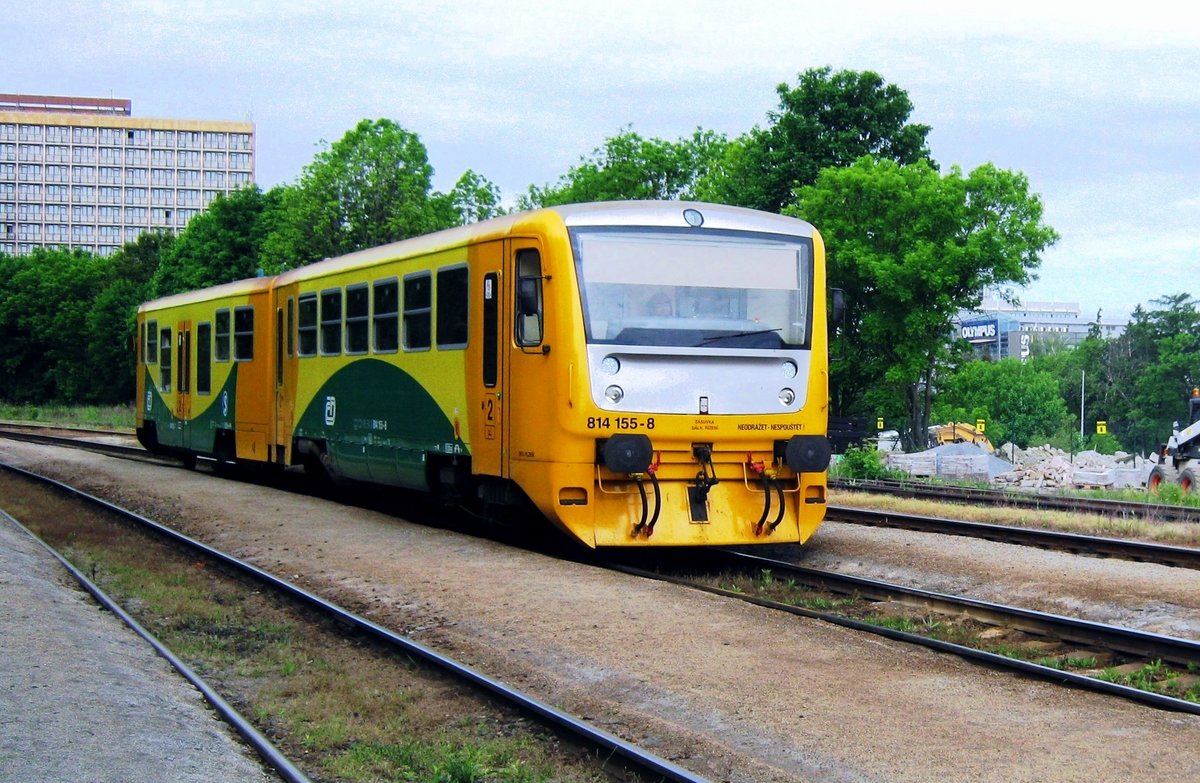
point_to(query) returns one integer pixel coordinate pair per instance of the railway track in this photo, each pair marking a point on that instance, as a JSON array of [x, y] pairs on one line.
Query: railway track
[[636, 762], [1059, 639], [1148, 510], [1124, 549]]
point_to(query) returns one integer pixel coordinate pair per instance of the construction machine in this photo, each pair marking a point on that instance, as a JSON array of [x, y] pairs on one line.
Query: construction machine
[[958, 432], [1179, 458]]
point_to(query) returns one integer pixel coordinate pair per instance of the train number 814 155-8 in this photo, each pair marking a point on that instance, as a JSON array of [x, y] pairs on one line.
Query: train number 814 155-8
[[628, 423]]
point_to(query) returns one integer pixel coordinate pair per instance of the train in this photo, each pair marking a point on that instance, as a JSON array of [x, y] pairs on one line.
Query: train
[[639, 373]]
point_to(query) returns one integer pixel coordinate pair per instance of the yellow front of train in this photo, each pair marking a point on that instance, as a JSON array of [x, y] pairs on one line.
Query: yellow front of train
[[688, 400]]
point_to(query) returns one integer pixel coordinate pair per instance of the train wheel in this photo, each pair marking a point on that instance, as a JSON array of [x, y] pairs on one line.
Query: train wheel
[[1160, 476], [1187, 481]]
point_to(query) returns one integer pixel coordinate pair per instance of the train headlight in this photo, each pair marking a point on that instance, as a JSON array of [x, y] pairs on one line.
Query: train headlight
[[614, 394], [611, 365], [786, 397], [789, 369]]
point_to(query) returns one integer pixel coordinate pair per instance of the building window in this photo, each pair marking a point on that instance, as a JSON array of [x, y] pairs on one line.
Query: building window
[[452, 307], [417, 311], [331, 322]]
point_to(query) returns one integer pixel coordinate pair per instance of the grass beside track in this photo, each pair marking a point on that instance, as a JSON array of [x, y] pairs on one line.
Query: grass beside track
[[1154, 676], [342, 708], [116, 417]]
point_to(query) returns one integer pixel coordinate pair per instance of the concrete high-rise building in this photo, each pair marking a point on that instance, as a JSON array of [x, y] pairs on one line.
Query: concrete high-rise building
[[84, 173]]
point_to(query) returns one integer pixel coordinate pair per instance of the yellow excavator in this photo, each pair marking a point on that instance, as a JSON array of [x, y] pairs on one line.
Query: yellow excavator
[[959, 432]]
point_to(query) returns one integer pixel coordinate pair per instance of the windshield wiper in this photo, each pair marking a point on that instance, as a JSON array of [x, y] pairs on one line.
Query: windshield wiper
[[733, 335]]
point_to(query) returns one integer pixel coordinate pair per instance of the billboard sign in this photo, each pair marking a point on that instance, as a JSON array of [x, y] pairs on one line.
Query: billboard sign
[[979, 331]]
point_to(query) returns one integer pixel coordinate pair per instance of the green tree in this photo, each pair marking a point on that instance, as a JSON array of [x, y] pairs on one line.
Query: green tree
[[371, 187], [912, 248], [45, 302], [473, 198], [829, 119], [1019, 402], [219, 245], [629, 166], [1138, 382]]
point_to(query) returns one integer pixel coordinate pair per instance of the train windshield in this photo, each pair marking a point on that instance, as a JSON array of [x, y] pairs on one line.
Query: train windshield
[[680, 289]]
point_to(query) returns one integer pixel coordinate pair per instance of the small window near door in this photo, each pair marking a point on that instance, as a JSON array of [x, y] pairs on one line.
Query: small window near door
[[204, 358], [222, 332], [243, 334], [164, 364], [331, 322], [418, 301], [308, 324], [452, 307], [152, 342], [528, 320]]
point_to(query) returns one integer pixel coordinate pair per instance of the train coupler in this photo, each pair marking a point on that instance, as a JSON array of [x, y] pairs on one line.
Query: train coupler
[[706, 479]]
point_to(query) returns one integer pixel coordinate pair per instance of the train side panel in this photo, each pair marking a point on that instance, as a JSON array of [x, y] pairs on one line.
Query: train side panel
[[203, 365]]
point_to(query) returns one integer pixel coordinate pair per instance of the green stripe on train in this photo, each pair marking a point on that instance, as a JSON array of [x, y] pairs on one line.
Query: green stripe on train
[[199, 433], [379, 424]]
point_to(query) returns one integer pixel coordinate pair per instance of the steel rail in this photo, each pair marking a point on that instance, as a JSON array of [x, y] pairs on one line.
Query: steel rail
[[266, 750], [1125, 640], [1137, 643], [1124, 549], [597, 737], [1118, 508], [112, 449]]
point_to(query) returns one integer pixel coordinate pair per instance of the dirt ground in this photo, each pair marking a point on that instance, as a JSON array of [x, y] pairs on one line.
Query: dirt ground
[[735, 692]]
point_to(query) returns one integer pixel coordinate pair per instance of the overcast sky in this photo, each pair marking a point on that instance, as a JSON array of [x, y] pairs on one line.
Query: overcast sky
[[1101, 112]]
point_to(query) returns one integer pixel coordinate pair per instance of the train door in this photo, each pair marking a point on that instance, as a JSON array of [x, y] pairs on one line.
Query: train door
[[285, 372], [486, 358], [183, 377], [529, 379]]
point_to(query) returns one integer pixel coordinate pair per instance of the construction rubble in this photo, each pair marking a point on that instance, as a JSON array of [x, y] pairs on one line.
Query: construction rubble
[[1039, 467]]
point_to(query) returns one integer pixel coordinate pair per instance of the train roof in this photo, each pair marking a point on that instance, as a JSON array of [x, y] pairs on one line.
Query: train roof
[[237, 288], [602, 213]]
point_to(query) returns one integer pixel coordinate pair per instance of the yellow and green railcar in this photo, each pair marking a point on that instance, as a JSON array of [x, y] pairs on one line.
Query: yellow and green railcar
[[643, 373]]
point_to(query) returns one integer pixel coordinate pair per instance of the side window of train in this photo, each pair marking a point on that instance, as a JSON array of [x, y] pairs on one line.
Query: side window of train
[[451, 310], [243, 334], [387, 315], [418, 311], [358, 318], [152, 342], [331, 322], [222, 332], [528, 320], [308, 324], [164, 365], [204, 358]]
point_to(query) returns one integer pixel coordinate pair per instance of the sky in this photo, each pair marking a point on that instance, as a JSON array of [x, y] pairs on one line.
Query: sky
[[1097, 105]]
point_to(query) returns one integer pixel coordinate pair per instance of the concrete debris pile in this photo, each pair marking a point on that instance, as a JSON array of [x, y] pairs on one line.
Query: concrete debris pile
[[1045, 467], [1039, 467]]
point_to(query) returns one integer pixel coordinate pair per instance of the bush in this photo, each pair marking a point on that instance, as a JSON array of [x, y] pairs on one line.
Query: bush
[[864, 462]]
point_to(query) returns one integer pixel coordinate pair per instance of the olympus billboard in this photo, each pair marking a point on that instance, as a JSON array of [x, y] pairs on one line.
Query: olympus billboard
[[979, 331]]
